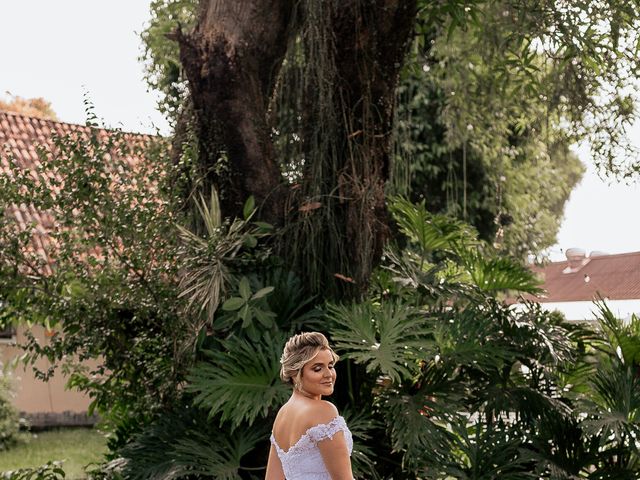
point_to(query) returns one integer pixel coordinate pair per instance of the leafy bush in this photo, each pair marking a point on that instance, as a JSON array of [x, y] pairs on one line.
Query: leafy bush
[[9, 422], [468, 387], [49, 471], [113, 291]]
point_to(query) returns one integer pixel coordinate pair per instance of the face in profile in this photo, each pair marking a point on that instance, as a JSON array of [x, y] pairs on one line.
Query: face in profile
[[319, 374]]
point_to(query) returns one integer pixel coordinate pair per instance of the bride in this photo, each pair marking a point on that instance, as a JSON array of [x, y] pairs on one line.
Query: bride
[[309, 440]]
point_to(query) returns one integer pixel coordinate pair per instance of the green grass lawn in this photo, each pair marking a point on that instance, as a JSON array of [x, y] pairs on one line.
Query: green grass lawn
[[76, 446]]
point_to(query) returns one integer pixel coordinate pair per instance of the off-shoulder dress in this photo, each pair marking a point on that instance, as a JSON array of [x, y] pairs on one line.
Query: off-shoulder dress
[[303, 460]]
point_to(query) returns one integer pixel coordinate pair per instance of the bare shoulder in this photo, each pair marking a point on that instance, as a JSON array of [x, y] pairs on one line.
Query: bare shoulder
[[321, 412]]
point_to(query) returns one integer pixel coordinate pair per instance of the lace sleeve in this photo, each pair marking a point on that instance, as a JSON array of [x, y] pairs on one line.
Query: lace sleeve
[[327, 430]]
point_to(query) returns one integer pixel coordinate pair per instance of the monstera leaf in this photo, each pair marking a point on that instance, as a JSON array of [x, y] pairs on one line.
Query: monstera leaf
[[241, 381], [385, 337]]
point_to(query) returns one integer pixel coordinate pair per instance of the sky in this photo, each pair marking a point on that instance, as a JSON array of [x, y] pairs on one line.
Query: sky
[[69, 50]]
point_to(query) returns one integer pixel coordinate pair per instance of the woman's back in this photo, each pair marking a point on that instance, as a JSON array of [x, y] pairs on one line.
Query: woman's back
[[309, 437]]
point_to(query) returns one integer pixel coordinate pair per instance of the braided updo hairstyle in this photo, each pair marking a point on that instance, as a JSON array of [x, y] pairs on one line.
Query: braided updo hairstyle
[[299, 350]]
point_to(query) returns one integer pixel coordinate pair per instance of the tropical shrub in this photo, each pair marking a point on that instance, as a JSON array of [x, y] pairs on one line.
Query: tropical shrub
[[113, 283], [433, 365], [469, 388], [9, 422], [49, 471]]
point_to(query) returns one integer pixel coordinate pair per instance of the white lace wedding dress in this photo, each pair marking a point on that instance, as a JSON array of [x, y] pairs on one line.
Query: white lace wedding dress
[[303, 460]]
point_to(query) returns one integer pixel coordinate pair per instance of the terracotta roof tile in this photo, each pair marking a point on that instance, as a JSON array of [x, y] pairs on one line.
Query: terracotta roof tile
[[616, 277], [21, 137]]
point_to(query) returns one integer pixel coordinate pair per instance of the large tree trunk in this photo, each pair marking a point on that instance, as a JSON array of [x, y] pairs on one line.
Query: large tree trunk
[[231, 60], [357, 49], [371, 39]]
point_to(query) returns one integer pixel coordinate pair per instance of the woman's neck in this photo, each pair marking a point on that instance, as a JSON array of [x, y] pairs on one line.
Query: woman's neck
[[301, 393]]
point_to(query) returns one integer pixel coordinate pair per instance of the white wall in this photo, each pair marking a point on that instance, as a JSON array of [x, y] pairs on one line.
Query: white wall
[[581, 311]]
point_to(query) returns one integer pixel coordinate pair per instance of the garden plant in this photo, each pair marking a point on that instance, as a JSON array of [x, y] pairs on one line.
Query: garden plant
[[382, 184]]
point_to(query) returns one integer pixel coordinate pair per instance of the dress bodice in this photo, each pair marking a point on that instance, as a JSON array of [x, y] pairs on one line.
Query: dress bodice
[[303, 460]]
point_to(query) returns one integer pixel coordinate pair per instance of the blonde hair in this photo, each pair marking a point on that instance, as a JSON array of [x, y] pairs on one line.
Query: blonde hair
[[299, 350]]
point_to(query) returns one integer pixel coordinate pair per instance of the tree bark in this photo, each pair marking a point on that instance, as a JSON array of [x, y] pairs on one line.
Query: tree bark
[[363, 44], [371, 42], [231, 60]]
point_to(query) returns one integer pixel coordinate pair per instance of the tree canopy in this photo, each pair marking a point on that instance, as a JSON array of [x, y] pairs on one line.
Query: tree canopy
[[496, 89], [33, 107]]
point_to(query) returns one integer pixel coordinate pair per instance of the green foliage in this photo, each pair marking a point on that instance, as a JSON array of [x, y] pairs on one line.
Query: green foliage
[[611, 400], [428, 231], [484, 452], [240, 379], [498, 274], [509, 172], [249, 306], [50, 471], [113, 291], [131, 287], [9, 422], [162, 57], [379, 336], [435, 238], [207, 259], [568, 64], [362, 427], [184, 444], [493, 95], [473, 388]]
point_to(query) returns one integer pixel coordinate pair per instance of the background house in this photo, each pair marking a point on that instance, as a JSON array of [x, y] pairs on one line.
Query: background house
[[572, 285], [44, 403]]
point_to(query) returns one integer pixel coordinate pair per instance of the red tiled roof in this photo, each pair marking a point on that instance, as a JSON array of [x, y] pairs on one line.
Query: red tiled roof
[[20, 138], [616, 277]]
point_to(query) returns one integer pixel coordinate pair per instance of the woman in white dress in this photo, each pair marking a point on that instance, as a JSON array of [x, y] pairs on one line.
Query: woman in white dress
[[309, 441]]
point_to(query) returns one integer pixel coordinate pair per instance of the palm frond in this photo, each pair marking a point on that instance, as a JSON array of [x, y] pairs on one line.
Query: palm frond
[[618, 338], [241, 381], [430, 232], [614, 402], [185, 444], [483, 451], [498, 274], [562, 447], [385, 337]]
